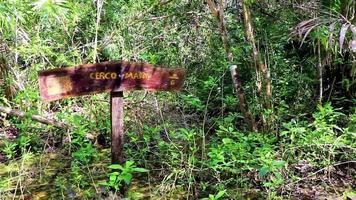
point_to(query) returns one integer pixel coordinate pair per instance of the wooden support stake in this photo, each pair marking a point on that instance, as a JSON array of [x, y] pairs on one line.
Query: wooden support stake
[[117, 127]]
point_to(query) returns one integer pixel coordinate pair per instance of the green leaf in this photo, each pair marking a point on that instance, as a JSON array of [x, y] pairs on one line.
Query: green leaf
[[115, 166], [127, 178], [227, 141], [220, 194], [112, 178], [264, 171], [268, 184], [129, 163], [138, 169], [278, 175], [114, 174], [103, 183], [279, 163]]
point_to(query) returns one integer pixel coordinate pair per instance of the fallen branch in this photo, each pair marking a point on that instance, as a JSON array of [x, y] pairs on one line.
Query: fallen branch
[[37, 118]]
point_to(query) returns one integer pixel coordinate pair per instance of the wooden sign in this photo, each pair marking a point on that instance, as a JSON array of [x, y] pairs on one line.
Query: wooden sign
[[113, 77], [107, 77]]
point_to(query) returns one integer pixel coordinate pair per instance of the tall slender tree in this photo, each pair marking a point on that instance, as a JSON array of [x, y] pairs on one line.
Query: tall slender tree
[[263, 82], [218, 12]]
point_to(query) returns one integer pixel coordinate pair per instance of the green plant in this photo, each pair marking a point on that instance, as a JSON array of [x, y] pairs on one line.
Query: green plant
[[24, 141], [218, 196], [326, 118], [9, 149], [85, 153], [121, 175], [77, 176], [295, 131], [270, 171], [192, 102], [60, 184]]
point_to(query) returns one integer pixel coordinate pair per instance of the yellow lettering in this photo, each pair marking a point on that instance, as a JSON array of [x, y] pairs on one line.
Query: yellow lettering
[[102, 75], [128, 75], [92, 75], [113, 75], [136, 75], [143, 75], [174, 76], [107, 76]]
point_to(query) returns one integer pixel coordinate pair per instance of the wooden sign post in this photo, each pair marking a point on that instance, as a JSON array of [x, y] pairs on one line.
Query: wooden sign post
[[117, 126], [113, 77]]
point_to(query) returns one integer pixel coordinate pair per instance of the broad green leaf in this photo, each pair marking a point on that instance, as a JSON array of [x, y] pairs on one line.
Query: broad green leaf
[[114, 174], [129, 163], [103, 183], [115, 166], [112, 178], [127, 178], [227, 141], [220, 194], [138, 169]]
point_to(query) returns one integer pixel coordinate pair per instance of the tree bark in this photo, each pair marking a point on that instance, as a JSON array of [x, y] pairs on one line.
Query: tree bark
[[242, 99], [263, 81], [218, 13]]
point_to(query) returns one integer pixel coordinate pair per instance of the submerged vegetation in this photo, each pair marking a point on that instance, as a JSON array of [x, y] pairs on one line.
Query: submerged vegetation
[[280, 125]]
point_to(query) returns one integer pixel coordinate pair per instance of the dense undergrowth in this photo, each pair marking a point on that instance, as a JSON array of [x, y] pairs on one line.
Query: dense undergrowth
[[188, 145]]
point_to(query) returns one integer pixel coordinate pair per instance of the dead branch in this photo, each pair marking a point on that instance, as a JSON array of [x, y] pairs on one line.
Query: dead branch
[[37, 118]]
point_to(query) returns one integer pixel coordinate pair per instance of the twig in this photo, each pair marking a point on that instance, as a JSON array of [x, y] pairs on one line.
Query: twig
[[331, 89]]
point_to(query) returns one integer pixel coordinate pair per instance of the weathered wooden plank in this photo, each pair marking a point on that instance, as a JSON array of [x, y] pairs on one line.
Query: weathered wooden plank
[[117, 127], [107, 77]]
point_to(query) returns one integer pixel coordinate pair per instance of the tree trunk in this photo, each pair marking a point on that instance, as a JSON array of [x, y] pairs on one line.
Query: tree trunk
[[242, 98], [263, 82], [218, 12]]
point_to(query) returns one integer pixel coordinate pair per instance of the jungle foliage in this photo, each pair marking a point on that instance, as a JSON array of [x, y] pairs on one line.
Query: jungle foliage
[[195, 144]]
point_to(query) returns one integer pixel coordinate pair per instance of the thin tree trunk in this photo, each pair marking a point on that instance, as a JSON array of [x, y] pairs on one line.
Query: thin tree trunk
[[263, 82], [242, 99], [218, 12], [320, 67]]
